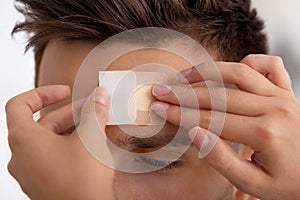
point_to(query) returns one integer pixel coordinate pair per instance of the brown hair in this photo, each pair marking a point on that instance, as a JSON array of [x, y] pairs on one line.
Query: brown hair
[[230, 28]]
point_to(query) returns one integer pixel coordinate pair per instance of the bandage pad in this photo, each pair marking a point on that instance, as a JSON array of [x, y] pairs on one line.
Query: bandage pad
[[131, 96]]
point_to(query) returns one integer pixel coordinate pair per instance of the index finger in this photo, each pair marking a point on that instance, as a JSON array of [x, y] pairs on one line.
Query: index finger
[[239, 74], [19, 109], [272, 67]]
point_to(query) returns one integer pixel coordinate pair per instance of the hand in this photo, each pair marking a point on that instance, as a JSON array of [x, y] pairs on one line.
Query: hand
[[47, 164], [263, 114]]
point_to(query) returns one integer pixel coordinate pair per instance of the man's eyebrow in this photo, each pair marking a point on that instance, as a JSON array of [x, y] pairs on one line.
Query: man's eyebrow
[[130, 142]]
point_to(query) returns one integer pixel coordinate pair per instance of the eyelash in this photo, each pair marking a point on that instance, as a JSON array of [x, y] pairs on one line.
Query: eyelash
[[163, 165]]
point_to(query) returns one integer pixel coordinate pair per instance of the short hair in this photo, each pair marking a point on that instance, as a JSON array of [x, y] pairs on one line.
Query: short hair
[[230, 29]]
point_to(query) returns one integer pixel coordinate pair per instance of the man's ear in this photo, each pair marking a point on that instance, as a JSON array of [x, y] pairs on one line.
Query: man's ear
[[244, 152]]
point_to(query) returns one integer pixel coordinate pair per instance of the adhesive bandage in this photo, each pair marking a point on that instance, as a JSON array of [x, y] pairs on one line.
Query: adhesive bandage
[[131, 96]]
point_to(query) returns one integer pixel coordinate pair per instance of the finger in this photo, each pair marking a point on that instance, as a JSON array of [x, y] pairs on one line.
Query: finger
[[239, 195], [272, 67], [91, 128], [62, 120], [96, 107], [58, 121], [216, 98], [234, 128], [19, 109], [239, 74], [223, 159]]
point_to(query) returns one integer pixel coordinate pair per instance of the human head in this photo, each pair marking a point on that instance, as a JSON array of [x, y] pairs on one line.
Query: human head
[[229, 30]]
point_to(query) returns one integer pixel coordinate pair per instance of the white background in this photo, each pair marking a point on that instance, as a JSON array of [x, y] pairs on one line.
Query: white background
[[16, 69]]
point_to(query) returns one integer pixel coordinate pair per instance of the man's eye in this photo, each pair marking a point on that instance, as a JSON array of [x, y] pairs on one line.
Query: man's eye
[[162, 166]]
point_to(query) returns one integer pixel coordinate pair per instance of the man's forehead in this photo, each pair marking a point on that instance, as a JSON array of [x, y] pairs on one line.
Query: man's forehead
[[149, 55], [147, 129], [70, 55]]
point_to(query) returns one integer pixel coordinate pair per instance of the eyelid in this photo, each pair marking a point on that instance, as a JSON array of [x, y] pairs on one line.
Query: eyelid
[[162, 166], [155, 162]]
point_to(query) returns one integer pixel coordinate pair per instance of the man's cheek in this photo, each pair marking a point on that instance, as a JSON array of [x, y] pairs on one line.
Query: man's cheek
[[146, 186], [151, 186], [130, 186]]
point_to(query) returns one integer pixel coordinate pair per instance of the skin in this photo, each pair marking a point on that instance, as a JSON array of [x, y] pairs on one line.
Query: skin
[[127, 184], [263, 129], [264, 115]]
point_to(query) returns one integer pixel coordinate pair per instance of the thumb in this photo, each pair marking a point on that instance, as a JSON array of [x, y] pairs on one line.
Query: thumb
[[91, 128], [244, 175], [96, 106]]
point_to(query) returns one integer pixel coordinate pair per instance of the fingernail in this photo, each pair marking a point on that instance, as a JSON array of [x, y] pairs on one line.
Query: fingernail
[[200, 140], [160, 90], [182, 76], [203, 150], [160, 107], [100, 96], [193, 132]]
